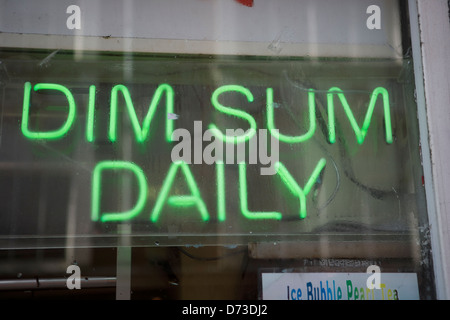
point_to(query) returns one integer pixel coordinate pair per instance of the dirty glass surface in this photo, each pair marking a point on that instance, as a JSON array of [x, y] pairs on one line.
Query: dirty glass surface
[[73, 173]]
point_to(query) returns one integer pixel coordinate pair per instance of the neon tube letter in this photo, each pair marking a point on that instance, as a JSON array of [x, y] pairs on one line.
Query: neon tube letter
[[141, 134], [221, 203], [97, 191], [243, 199], [285, 138], [55, 134], [295, 188], [360, 133], [233, 112], [194, 199]]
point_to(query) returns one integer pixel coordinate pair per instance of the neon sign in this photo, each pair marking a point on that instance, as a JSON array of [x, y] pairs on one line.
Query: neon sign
[[163, 101], [142, 133]]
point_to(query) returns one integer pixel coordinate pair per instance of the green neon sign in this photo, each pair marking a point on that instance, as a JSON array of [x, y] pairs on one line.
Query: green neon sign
[[194, 201], [142, 133]]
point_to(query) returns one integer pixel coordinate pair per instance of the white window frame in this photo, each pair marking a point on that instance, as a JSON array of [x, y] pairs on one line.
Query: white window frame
[[430, 36]]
